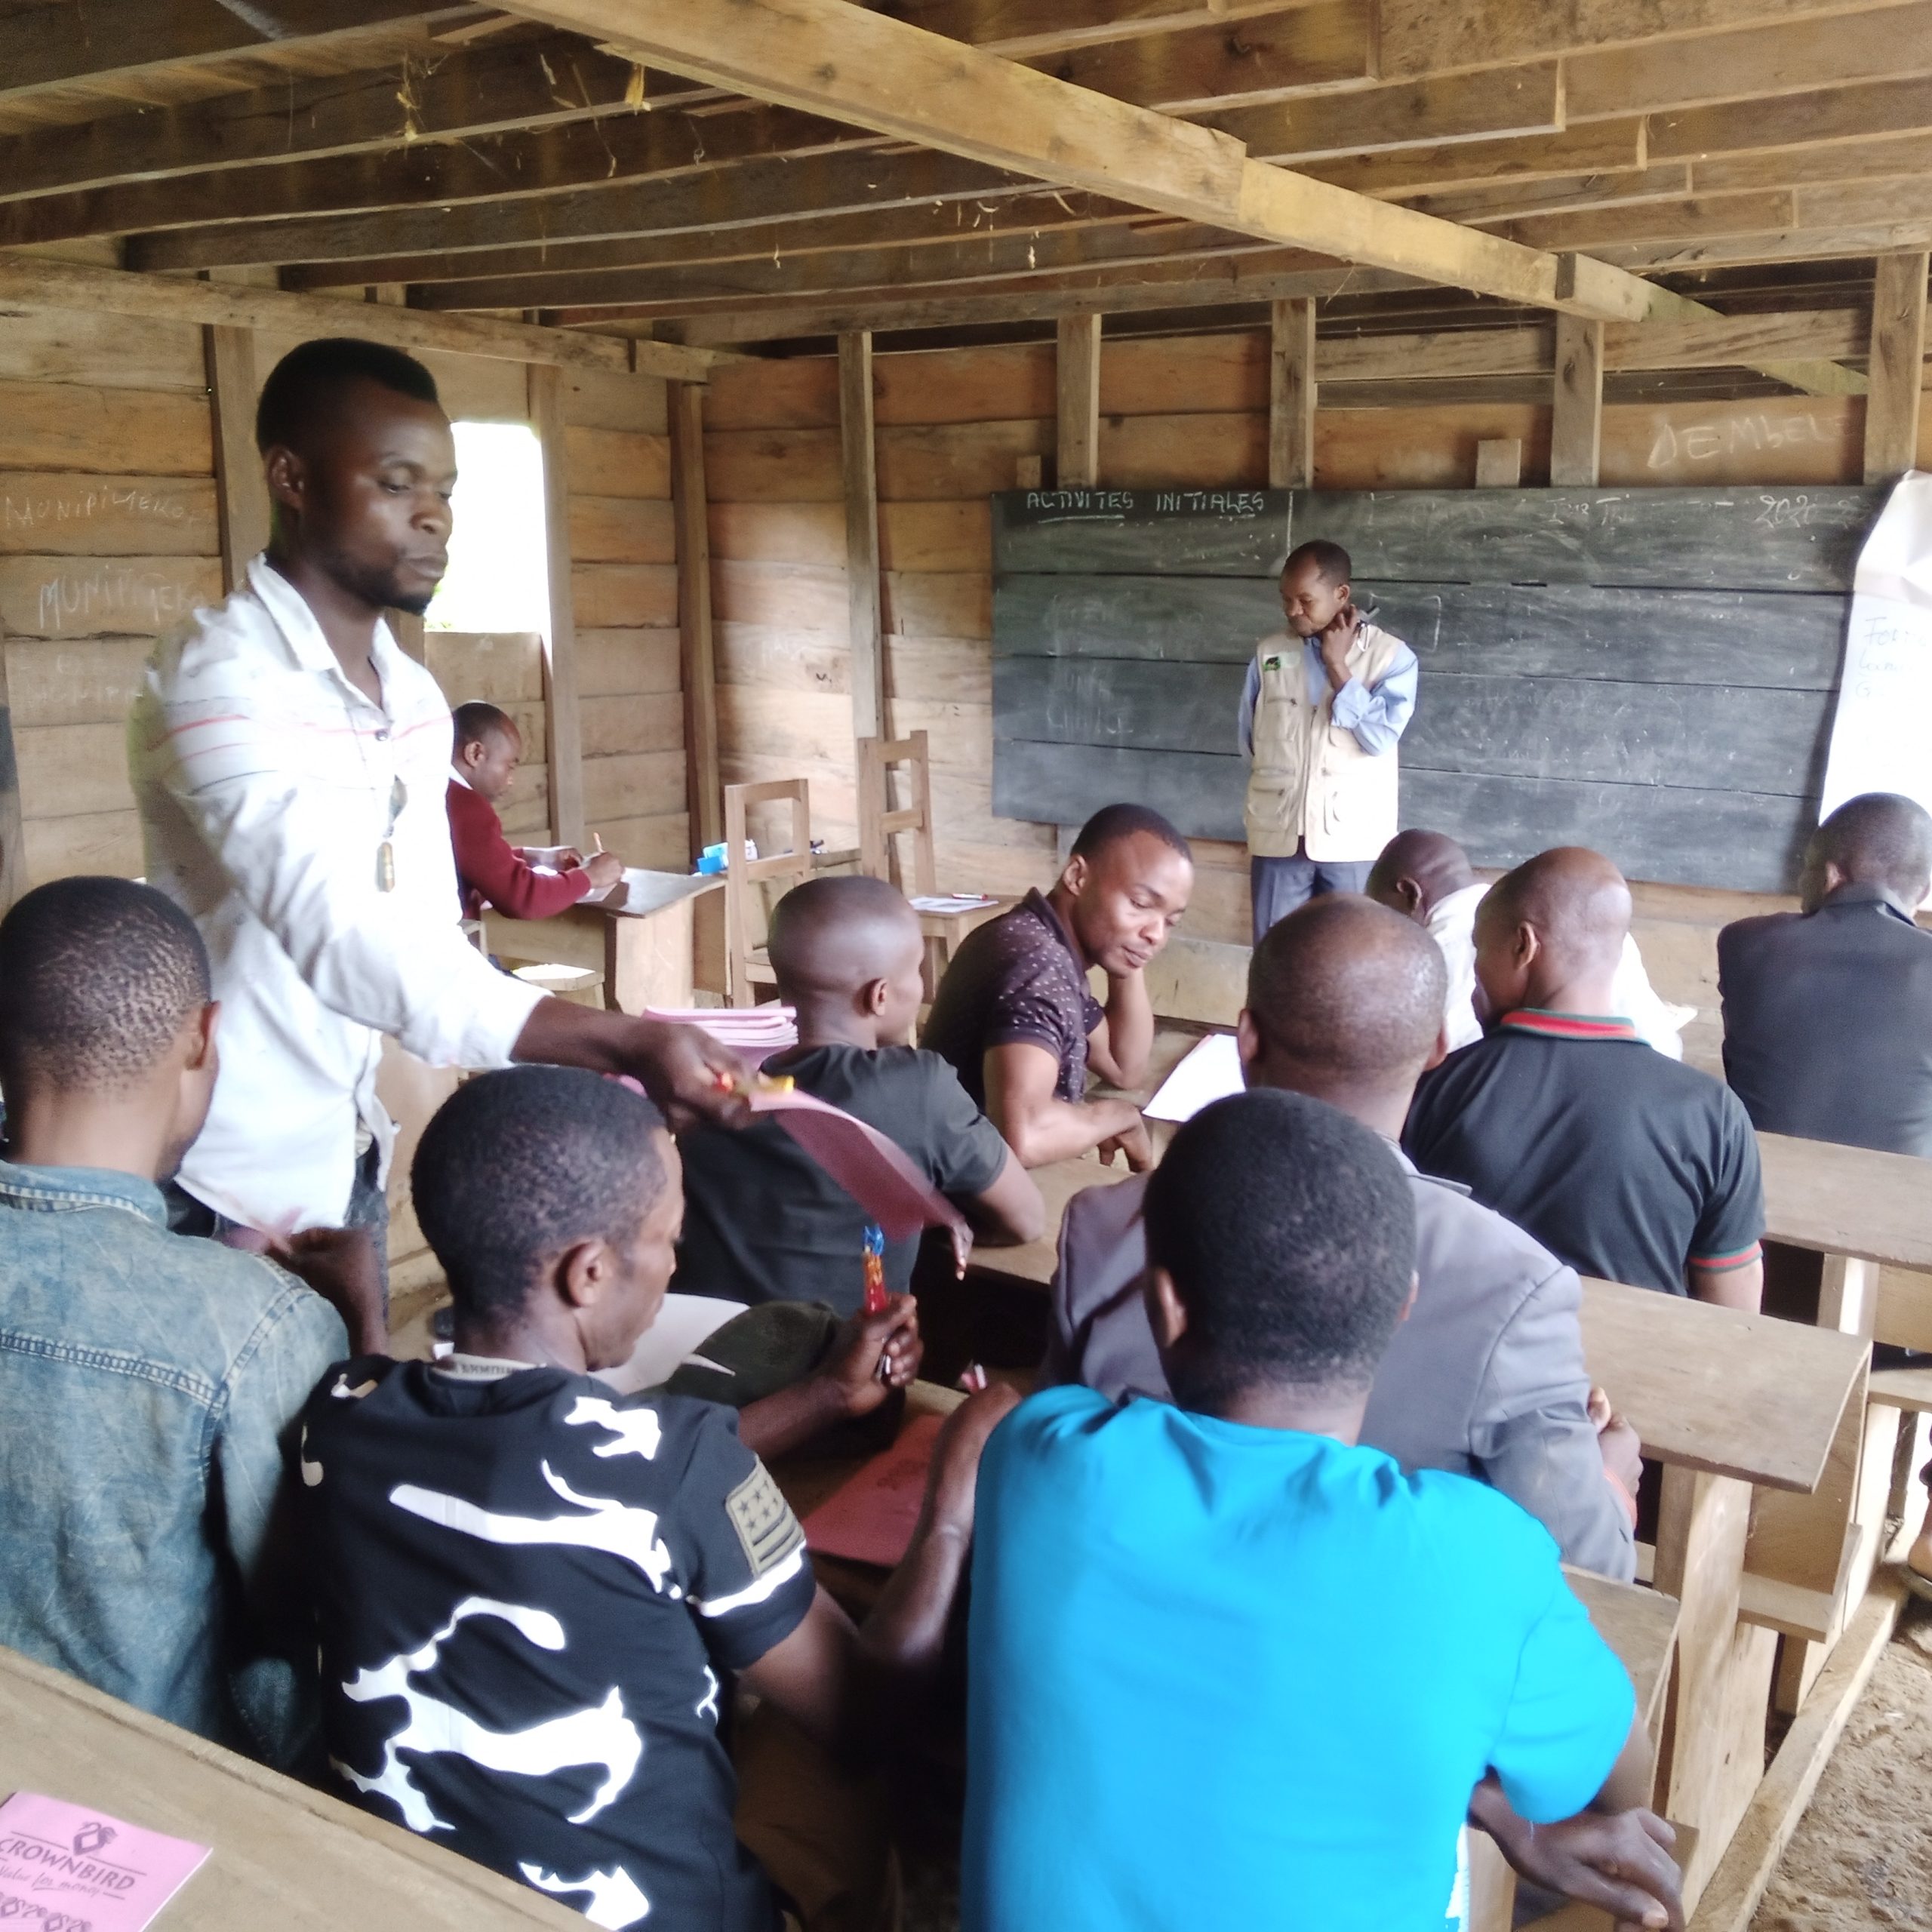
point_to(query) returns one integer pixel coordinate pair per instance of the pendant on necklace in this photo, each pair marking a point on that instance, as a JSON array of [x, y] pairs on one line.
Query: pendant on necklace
[[386, 867]]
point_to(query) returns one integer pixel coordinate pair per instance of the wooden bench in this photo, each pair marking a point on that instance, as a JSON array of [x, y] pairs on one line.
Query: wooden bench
[[1868, 1216], [285, 1856]]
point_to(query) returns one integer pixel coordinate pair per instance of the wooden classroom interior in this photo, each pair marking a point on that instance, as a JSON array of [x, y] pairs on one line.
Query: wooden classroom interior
[[938, 381]]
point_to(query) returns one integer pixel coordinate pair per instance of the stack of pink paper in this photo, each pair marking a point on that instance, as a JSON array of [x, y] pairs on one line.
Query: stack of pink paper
[[753, 1031]]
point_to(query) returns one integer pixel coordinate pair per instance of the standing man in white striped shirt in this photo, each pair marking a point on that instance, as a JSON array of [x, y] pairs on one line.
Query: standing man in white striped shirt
[[289, 763]]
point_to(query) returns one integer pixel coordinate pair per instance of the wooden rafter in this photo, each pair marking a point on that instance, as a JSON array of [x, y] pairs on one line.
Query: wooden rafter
[[828, 57], [30, 283], [47, 47]]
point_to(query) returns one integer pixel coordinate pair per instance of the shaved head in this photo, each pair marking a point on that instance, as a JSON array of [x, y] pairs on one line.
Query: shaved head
[[1417, 870], [1573, 900], [1880, 838], [1345, 993], [831, 937]]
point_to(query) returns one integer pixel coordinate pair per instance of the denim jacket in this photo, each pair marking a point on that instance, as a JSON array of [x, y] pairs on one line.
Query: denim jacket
[[147, 1382]]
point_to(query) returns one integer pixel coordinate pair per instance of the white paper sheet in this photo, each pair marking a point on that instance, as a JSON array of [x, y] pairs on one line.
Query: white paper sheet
[[1211, 1072], [957, 902], [1879, 741]]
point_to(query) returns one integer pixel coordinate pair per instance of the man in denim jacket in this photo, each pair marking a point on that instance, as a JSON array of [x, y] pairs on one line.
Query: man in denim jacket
[[147, 1380]]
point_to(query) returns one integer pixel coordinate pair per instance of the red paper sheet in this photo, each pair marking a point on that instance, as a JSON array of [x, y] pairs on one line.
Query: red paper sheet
[[870, 1517], [871, 1168]]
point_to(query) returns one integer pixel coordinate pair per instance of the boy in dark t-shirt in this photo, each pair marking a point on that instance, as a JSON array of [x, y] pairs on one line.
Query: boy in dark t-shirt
[[763, 1221], [533, 1594]]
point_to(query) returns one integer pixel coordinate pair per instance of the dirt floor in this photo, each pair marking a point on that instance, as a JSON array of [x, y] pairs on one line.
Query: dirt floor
[[1862, 1857]]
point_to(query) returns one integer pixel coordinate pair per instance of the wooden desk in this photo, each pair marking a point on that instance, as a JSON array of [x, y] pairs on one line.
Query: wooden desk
[[1034, 1262], [284, 1856], [647, 958]]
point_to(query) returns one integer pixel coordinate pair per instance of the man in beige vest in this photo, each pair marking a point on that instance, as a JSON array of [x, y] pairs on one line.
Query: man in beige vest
[[1323, 705]]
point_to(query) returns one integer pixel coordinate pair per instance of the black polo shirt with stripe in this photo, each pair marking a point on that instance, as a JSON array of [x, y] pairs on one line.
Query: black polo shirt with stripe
[[1626, 1163]]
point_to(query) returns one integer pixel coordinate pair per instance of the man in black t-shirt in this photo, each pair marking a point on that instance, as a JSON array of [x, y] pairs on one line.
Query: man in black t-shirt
[[1014, 1013], [533, 1595], [1624, 1163], [763, 1221]]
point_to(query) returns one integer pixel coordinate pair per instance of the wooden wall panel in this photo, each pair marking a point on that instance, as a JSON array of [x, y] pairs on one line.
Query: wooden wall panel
[[1189, 411]]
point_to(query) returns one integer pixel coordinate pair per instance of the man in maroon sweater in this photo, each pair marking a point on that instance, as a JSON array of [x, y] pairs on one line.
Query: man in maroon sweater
[[489, 869]]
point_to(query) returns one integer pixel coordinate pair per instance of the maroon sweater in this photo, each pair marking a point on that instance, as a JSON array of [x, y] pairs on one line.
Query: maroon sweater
[[490, 871]]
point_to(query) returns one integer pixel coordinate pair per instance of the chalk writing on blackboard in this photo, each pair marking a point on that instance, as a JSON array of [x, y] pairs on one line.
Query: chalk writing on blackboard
[[1114, 504]]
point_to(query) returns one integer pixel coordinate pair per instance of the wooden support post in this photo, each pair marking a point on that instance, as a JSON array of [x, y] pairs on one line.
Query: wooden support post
[[1499, 463], [1291, 394], [1714, 1753], [564, 735], [861, 474], [12, 853], [1077, 380], [1576, 428], [697, 663], [1898, 360], [240, 492]]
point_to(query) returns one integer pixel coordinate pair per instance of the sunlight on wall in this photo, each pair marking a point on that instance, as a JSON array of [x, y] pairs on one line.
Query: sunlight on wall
[[498, 579]]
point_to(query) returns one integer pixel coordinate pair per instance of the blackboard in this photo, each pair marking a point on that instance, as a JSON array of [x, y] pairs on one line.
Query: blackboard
[[1649, 672]]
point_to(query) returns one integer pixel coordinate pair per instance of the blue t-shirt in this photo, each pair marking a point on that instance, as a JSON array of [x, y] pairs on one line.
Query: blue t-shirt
[[1225, 1676]]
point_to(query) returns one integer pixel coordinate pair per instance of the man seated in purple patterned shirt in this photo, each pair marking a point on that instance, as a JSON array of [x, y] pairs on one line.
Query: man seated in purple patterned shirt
[[1015, 1015]]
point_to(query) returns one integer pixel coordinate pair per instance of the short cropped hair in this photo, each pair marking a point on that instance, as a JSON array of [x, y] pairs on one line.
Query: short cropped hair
[[1290, 1231], [1111, 823], [1330, 559], [97, 976], [477, 720], [522, 1164], [1879, 838], [305, 382]]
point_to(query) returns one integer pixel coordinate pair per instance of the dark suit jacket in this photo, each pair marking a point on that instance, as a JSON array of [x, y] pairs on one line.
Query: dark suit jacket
[[1485, 1378], [1827, 1023]]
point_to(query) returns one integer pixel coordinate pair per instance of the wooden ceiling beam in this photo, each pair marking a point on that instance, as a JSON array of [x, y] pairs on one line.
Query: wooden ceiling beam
[[1600, 147], [1750, 63], [1825, 115], [497, 168], [1273, 274], [1902, 156], [28, 283], [831, 57], [1515, 200], [533, 82], [1426, 37], [1499, 102], [57, 44], [686, 289], [1019, 28], [765, 189], [1032, 210], [1201, 69]]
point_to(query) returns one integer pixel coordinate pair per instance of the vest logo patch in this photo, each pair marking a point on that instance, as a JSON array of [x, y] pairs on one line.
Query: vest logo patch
[[1271, 664], [763, 1521]]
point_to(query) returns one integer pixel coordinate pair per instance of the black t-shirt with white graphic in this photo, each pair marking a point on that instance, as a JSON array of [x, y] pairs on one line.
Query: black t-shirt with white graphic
[[530, 1593]]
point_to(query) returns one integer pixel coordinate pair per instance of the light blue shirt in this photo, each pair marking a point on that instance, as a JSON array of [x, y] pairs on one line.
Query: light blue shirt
[[1226, 1676], [1375, 716]]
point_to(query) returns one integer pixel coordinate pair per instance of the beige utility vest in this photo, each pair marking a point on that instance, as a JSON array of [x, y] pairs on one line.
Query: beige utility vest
[[1313, 784]]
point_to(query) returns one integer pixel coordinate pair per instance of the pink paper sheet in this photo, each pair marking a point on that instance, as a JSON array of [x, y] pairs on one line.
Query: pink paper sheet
[[870, 1517], [63, 1864], [871, 1168]]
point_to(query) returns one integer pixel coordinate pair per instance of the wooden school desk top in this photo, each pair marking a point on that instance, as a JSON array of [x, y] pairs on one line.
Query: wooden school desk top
[[1847, 1201], [286, 1859], [1715, 1389], [1058, 1182]]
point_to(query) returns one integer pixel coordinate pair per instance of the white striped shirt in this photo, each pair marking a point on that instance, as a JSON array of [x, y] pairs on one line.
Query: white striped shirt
[[264, 781]]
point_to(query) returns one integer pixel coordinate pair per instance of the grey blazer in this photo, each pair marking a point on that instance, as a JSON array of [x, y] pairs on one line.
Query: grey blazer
[[1485, 1378]]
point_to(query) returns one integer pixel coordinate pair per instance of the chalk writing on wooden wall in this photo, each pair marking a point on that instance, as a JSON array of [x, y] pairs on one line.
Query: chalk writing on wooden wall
[[1728, 434], [48, 597], [43, 509]]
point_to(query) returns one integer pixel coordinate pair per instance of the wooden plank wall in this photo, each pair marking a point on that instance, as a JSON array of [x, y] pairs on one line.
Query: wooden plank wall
[[624, 587], [108, 533], [502, 668], [954, 426]]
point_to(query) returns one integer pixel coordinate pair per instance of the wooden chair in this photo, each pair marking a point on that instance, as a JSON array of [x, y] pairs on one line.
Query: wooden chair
[[880, 820], [746, 966]]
